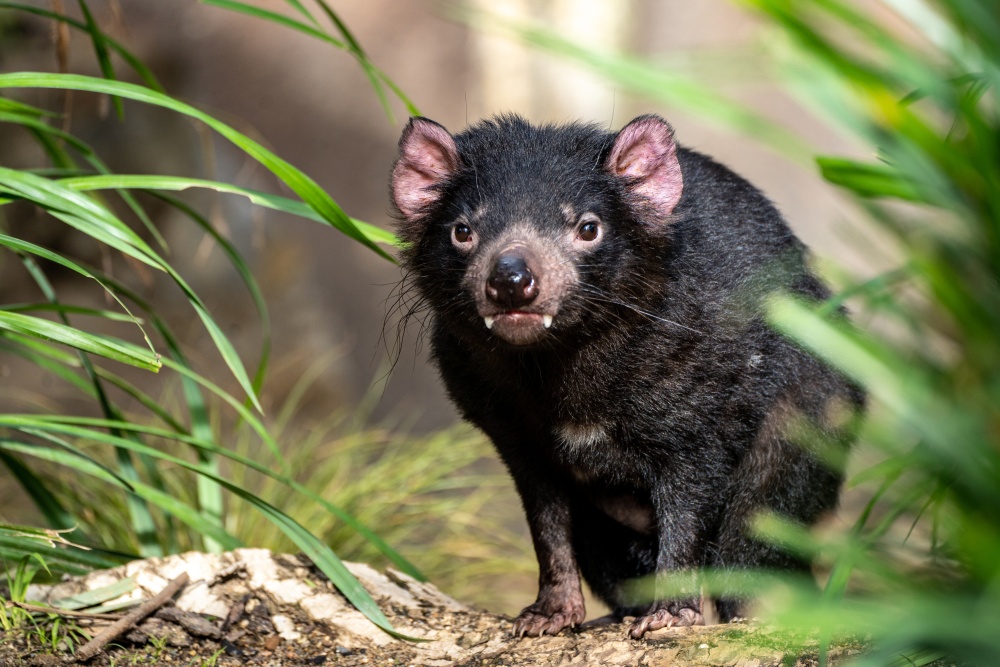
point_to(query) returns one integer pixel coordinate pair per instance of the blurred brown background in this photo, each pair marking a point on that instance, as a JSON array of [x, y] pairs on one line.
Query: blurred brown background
[[314, 107]]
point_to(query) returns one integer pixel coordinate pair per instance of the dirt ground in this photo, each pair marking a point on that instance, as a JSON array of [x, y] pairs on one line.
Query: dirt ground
[[250, 607]]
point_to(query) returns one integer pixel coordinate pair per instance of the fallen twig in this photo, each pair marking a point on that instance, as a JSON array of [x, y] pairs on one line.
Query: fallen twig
[[235, 613], [118, 628]]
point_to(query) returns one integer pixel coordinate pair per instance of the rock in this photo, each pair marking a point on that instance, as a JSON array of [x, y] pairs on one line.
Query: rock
[[195, 624]]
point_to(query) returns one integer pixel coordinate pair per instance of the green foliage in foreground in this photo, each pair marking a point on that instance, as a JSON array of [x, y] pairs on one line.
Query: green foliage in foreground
[[137, 443], [919, 571]]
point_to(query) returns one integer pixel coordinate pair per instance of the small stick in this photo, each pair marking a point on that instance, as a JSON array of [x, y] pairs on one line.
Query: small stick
[[127, 622], [40, 609], [235, 614]]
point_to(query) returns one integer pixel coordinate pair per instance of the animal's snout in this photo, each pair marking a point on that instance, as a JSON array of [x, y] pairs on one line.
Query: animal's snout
[[511, 284]]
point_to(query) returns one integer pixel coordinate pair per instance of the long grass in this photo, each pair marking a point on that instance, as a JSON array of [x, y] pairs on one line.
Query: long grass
[[134, 447]]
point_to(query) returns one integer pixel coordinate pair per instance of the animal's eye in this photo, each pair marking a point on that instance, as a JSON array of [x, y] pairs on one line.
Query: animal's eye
[[588, 231], [461, 233]]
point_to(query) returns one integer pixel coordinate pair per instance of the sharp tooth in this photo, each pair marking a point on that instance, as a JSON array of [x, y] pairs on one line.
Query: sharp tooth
[[489, 322], [547, 320]]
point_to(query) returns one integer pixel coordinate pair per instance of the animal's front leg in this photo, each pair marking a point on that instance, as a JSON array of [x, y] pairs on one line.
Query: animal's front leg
[[680, 526], [560, 598]]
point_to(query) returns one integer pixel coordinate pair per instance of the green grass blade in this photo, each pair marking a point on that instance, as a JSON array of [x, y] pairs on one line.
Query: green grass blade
[[15, 107], [206, 444], [101, 51], [154, 496], [55, 362], [209, 493], [319, 553], [376, 76], [96, 596], [50, 360], [179, 364], [54, 149], [275, 17], [66, 310], [234, 257], [179, 183], [411, 108], [102, 225], [100, 345], [39, 535], [26, 247], [310, 192], [907, 391], [355, 48], [142, 520], [79, 211], [52, 139], [61, 364], [295, 179], [314, 29], [229, 354], [300, 8], [247, 416], [55, 514], [135, 63], [102, 470], [71, 560], [142, 398]]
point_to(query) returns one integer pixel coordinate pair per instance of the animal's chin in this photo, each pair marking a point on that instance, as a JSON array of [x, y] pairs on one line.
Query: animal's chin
[[519, 328]]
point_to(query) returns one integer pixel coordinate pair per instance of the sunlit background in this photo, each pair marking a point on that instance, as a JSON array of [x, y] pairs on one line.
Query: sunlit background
[[330, 298]]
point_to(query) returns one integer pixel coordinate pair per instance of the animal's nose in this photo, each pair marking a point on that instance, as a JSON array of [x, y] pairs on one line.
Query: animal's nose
[[511, 284]]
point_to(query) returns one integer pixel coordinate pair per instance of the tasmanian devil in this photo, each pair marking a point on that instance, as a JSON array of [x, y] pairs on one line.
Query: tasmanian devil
[[596, 303]]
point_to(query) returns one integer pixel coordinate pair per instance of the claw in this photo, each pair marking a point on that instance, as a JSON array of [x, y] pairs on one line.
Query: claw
[[686, 617], [659, 617], [536, 620]]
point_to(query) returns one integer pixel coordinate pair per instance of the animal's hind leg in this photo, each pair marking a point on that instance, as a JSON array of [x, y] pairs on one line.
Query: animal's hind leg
[[610, 555], [737, 555], [737, 560]]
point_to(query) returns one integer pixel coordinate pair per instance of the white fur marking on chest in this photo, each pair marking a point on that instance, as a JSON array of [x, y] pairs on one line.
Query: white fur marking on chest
[[579, 436]]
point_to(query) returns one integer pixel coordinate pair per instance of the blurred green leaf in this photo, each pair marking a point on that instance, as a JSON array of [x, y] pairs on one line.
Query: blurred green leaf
[[869, 180], [646, 79]]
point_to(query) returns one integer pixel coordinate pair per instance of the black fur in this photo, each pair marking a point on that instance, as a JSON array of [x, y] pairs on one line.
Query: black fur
[[659, 341]]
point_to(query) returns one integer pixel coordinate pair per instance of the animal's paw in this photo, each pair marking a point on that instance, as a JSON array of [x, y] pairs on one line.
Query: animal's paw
[[660, 616], [548, 618]]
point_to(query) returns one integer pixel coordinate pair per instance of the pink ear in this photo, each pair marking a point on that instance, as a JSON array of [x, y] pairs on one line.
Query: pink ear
[[427, 156], [645, 155]]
